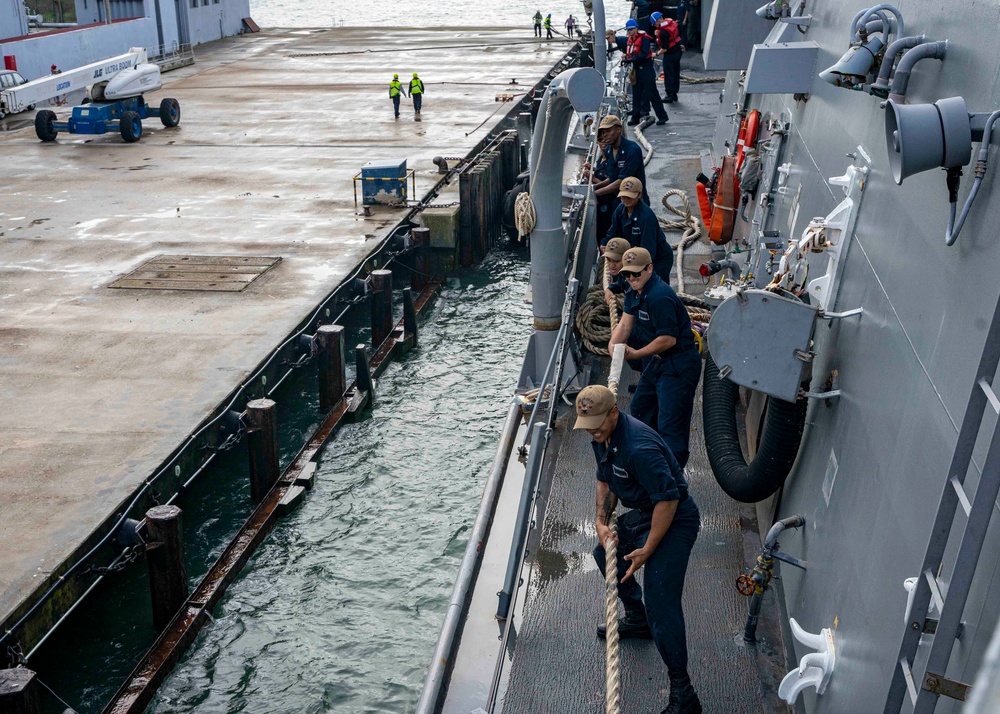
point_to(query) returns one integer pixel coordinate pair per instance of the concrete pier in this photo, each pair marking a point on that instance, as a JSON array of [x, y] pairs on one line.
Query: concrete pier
[[101, 384]]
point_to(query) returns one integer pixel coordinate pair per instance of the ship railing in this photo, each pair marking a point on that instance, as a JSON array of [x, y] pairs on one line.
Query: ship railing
[[538, 436]]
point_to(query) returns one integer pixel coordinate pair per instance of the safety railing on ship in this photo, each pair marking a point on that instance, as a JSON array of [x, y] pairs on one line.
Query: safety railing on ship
[[538, 437]]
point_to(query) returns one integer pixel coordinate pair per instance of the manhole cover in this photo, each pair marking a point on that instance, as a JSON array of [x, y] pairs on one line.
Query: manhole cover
[[222, 273]]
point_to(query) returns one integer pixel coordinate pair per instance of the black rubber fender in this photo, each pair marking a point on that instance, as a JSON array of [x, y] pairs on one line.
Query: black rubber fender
[[779, 440]]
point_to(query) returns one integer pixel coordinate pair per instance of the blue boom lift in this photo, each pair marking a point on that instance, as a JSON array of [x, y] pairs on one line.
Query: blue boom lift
[[116, 105]]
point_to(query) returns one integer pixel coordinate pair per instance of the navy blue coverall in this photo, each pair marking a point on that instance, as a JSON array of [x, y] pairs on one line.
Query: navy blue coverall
[[627, 162], [664, 396], [642, 230], [640, 470]]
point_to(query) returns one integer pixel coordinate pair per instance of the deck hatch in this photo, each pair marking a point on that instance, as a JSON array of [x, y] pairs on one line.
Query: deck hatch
[[213, 273]]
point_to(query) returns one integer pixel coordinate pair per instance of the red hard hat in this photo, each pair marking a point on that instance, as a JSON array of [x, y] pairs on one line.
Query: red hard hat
[[54, 67]]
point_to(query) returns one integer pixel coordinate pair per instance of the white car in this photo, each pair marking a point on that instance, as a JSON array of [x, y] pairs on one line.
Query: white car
[[8, 80]]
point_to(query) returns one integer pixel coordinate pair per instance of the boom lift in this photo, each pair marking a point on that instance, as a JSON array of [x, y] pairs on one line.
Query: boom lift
[[26, 96], [117, 105]]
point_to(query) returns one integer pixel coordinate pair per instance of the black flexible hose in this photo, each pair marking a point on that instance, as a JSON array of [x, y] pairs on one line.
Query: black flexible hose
[[779, 442]]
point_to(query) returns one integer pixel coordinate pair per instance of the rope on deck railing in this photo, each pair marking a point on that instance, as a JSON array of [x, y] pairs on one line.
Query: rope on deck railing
[[612, 698]]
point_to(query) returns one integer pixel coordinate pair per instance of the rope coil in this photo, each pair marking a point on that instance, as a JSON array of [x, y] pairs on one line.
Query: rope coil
[[524, 215]]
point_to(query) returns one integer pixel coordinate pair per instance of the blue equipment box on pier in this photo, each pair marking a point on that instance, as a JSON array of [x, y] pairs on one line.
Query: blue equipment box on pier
[[383, 182]]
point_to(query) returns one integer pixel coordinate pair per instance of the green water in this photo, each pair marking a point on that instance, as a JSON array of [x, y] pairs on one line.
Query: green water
[[340, 608]]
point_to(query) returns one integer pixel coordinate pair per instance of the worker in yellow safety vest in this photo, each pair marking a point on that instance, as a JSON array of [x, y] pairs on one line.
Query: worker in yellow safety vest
[[395, 92], [416, 92]]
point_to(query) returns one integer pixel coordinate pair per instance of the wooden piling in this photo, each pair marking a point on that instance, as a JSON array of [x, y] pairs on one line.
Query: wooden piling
[[168, 585], [381, 301], [19, 692], [362, 371], [409, 320], [421, 265], [262, 442], [465, 239], [332, 374]]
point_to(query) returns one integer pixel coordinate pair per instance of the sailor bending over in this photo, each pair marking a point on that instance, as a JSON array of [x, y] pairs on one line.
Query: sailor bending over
[[635, 467]]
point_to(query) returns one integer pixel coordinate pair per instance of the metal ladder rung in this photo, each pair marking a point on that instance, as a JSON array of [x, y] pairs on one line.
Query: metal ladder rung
[[936, 595], [963, 498], [990, 394], [908, 676]]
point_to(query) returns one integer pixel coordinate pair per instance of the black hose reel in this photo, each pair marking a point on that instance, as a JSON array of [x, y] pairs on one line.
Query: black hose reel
[[762, 341], [779, 441]]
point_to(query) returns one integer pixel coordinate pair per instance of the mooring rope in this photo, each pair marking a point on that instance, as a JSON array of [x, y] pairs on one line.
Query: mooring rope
[[701, 80], [644, 142], [612, 697], [524, 215], [690, 225]]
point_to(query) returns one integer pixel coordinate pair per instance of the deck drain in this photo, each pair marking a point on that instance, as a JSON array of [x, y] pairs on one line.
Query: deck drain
[[219, 273]]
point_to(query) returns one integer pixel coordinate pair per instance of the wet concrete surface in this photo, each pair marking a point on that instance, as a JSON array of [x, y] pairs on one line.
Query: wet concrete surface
[[559, 664], [99, 385]]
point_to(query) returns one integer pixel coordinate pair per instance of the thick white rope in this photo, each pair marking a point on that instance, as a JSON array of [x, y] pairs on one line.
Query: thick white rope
[[644, 142], [524, 214], [690, 224], [612, 699], [612, 307]]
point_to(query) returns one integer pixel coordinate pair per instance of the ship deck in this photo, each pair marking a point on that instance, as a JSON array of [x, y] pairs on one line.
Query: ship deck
[[99, 384], [558, 663]]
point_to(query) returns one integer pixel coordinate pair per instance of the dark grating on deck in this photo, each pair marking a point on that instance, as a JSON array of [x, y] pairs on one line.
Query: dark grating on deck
[[559, 662]]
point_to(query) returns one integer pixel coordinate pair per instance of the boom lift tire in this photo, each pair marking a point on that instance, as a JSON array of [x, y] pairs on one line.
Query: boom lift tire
[[43, 125], [170, 112], [130, 126], [779, 440]]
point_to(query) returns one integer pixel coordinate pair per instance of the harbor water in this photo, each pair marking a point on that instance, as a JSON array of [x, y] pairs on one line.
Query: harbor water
[[340, 608], [415, 13]]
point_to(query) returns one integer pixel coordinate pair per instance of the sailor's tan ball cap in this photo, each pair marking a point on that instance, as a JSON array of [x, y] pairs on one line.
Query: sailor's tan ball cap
[[635, 259], [615, 249], [609, 121], [631, 187], [592, 406]]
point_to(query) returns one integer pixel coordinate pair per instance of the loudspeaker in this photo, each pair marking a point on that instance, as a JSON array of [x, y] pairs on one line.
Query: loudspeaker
[[920, 137], [854, 67]]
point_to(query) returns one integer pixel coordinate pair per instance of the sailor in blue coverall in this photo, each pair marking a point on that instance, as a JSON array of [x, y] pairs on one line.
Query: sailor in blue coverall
[[634, 221], [655, 317], [658, 533], [620, 158]]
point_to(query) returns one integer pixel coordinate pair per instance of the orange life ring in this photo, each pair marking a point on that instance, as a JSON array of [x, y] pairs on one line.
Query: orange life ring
[[747, 137]]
